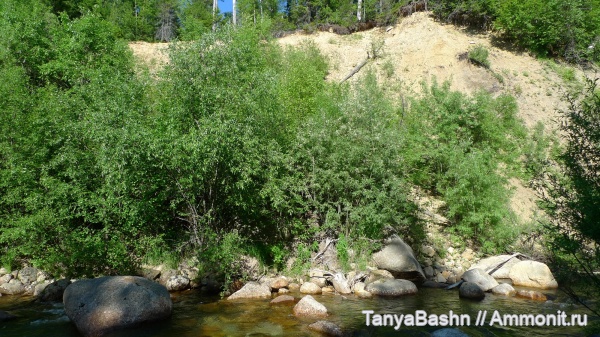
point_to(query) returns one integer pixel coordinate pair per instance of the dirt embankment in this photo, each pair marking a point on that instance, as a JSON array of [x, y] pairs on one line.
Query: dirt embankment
[[419, 48]]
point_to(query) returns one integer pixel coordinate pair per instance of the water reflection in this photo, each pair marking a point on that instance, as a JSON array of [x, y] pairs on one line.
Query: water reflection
[[197, 315]]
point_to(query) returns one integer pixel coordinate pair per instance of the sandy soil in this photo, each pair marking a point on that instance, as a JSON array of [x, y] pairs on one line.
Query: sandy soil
[[418, 49], [154, 55]]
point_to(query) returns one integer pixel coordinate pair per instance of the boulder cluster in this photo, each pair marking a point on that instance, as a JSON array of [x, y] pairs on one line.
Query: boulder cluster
[[33, 282], [185, 276], [97, 306], [397, 273]]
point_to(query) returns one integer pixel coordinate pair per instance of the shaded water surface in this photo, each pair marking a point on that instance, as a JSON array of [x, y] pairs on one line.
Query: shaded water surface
[[197, 315]]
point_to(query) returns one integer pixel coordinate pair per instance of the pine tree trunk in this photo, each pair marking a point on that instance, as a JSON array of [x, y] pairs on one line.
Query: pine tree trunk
[[233, 10], [261, 10], [215, 7]]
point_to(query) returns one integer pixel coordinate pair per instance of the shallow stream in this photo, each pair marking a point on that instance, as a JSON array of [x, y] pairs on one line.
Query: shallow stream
[[197, 315]]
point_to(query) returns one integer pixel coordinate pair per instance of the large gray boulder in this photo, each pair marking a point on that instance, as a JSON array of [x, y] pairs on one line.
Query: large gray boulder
[[13, 287], [481, 278], [391, 287], [283, 299], [504, 290], [54, 291], [178, 283], [471, 290], [399, 259], [359, 290], [279, 282], [39, 288], [5, 278], [252, 290], [310, 288], [27, 275], [532, 274], [489, 265], [317, 277], [378, 274], [308, 306], [532, 295], [98, 306]]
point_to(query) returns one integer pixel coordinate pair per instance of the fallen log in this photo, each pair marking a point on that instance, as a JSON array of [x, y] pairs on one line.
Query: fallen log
[[328, 241], [454, 285], [363, 63], [490, 270], [356, 69]]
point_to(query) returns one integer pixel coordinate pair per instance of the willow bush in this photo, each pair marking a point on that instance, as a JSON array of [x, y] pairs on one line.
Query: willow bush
[[238, 147]]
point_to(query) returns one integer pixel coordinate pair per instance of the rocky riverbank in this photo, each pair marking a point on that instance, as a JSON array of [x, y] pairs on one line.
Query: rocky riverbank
[[394, 271], [396, 260]]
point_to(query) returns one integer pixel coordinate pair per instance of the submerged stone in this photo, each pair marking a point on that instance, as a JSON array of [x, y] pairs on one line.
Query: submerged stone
[[101, 305], [471, 290], [391, 287], [308, 306], [326, 328], [252, 290]]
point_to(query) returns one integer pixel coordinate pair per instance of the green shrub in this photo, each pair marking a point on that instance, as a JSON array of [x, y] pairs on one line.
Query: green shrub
[[345, 168], [64, 206], [223, 256], [456, 146], [302, 260], [279, 256], [566, 29], [572, 199], [537, 154], [301, 84], [388, 69], [341, 247], [478, 55], [555, 28], [474, 13], [236, 148]]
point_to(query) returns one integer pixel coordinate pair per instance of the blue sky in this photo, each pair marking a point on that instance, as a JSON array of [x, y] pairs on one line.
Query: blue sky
[[225, 6]]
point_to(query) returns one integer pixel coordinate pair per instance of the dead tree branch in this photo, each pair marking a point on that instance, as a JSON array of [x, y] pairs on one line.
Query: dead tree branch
[[375, 50]]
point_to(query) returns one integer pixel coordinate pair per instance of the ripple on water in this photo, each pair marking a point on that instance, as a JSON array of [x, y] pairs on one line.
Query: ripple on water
[[55, 311], [60, 319]]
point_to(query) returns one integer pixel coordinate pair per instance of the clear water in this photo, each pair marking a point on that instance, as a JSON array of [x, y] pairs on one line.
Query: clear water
[[197, 315]]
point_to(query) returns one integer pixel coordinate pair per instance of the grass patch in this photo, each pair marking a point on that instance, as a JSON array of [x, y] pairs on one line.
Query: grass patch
[[388, 68], [479, 56], [566, 73]]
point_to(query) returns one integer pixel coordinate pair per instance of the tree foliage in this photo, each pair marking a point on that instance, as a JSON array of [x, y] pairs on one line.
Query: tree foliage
[[568, 29], [572, 195], [236, 146], [345, 171], [457, 147]]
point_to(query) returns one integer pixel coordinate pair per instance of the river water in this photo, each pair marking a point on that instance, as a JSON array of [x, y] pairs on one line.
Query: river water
[[195, 314]]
